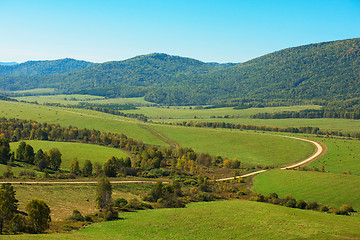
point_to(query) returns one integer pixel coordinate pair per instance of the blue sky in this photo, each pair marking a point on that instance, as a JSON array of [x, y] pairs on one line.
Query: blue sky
[[219, 31]]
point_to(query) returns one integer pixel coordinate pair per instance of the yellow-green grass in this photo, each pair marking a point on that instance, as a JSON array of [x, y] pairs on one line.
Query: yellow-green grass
[[342, 155], [246, 147], [35, 91], [73, 99], [81, 151], [219, 220], [80, 118], [187, 113], [61, 98], [331, 124], [327, 188], [63, 199]]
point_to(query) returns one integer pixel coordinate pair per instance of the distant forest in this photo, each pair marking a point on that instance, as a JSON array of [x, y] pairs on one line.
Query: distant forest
[[323, 71]]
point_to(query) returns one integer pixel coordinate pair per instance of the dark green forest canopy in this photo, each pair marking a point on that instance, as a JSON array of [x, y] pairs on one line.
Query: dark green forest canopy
[[321, 71]]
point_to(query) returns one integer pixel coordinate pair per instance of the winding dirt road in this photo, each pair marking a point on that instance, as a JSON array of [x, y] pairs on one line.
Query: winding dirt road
[[319, 151]]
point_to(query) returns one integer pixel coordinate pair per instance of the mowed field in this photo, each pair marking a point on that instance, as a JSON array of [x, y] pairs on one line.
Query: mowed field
[[247, 147], [73, 99], [80, 118], [219, 220], [253, 148], [327, 188], [69, 151], [194, 113], [343, 155]]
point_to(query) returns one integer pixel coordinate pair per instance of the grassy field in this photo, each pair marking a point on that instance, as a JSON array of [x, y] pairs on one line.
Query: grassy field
[[246, 147], [326, 188], [61, 98], [35, 91], [331, 124], [342, 156], [63, 199], [79, 117], [73, 99], [81, 151], [187, 113], [219, 220]]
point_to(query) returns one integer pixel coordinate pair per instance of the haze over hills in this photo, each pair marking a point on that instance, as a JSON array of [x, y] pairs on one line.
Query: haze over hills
[[7, 63], [317, 71], [39, 68]]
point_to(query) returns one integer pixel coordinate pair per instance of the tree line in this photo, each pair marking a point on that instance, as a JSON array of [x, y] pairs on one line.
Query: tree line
[[146, 158], [308, 130], [310, 113]]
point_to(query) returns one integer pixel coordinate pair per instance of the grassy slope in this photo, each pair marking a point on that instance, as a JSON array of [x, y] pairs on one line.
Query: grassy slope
[[186, 113], [63, 199], [246, 147], [219, 220], [79, 118], [79, 98], [342, 155], [332, 124], [81, 151], [326, 188]]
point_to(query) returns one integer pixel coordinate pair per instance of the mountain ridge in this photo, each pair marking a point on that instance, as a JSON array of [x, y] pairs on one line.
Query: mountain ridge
[[314, 71]]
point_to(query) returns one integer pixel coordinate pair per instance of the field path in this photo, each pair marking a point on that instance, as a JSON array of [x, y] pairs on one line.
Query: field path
[[319, 151]]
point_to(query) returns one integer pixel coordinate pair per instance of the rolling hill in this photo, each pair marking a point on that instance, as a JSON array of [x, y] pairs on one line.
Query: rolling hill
[[327, 71]]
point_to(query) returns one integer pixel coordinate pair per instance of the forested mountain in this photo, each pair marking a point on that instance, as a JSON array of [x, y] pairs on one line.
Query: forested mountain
[[33, 68], [317, 71]]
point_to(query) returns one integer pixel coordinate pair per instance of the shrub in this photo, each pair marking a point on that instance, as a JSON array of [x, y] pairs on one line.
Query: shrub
[[347, 208], [301, 204], [27, 173], [120, 202], [312, 206], [111, 214], [324, 209], [290, 203], [76, 216]]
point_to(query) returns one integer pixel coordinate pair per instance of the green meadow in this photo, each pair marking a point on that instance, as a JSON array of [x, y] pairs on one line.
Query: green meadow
[[80, 118], [73, 99], [247, 147], [343, 155], [327, 188], [63, 199], [35, 91], [69, 150], [194, 113], [218, 220], [331, 124], [61, 98]]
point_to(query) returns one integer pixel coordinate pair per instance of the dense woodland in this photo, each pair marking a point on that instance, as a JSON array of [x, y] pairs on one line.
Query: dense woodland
[[322, 71]]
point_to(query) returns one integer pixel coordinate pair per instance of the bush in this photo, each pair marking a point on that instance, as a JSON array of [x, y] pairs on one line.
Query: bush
[[111, 214], [347, 208], [290, 203], [312, 206], [87, 218], [301, 204], [27, 173], [324, 209], [76, 216], [120, 202]]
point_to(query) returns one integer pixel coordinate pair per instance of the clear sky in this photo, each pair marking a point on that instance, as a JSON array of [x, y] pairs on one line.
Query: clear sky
[[219, 31]]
